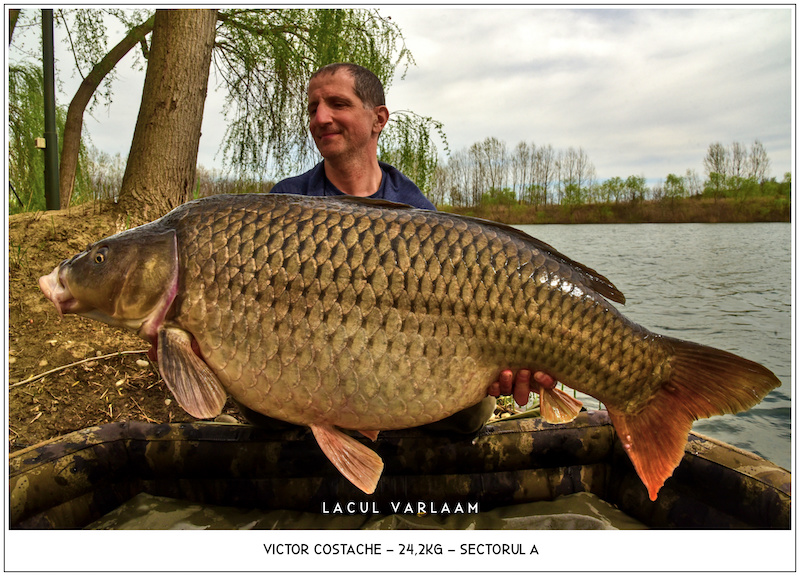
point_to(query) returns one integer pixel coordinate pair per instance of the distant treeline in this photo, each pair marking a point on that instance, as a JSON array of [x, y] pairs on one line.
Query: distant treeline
[[681, 210], [489, 174], [536, 184]]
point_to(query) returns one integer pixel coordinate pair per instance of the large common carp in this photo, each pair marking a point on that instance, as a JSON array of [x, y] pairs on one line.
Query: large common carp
[[347, 313]]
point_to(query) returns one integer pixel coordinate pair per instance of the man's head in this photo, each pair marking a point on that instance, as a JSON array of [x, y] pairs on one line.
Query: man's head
[[347, 112], [366, 85]]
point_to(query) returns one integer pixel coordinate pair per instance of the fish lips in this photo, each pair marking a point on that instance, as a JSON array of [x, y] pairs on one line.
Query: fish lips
[[56, 290]]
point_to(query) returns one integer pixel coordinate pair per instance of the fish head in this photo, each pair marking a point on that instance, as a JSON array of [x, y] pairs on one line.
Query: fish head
[[127, 280]]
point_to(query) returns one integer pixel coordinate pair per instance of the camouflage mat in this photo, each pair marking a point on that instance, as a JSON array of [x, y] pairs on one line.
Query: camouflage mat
[[581, 511]]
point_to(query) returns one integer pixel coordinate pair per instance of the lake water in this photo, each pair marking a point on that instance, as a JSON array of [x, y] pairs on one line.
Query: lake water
[[723, 285]]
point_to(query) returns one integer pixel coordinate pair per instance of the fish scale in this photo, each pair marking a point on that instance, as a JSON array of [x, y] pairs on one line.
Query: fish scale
[[362, 315], [357, 294]]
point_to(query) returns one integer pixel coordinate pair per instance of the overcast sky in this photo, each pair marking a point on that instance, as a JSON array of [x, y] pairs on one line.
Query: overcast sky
[[643, 91]]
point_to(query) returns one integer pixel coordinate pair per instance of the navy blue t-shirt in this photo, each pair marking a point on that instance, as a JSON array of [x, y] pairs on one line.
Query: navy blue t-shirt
[[395, 186]]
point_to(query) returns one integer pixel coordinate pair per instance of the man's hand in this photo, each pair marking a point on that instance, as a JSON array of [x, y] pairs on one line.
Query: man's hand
[[521, 385]]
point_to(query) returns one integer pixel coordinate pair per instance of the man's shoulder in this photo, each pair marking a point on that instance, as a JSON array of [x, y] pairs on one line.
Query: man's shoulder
[[304, 184], [400, 188]]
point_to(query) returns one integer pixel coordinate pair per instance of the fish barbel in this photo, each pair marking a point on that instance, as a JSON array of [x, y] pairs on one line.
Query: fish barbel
[[361, 315]]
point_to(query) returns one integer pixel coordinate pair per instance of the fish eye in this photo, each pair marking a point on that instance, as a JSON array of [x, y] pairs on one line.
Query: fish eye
[[100, 256]]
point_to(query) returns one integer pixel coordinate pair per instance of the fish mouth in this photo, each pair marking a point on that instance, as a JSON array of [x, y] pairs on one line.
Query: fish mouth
[[56, 290]]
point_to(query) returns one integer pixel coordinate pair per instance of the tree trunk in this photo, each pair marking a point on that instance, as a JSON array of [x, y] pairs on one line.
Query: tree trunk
[[71, 146], [13, 14], [160, 172]]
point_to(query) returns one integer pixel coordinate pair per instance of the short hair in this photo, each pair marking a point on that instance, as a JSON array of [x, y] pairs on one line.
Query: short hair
[[366, 84]]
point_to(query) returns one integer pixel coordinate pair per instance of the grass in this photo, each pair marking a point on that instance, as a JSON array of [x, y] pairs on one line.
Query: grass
[[18, 256]]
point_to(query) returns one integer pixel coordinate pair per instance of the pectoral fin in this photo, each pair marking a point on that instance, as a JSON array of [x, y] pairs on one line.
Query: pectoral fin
[[355, 461], [196, 388], [558, 407]]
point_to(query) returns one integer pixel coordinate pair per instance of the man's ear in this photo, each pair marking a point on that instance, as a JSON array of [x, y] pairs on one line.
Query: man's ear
[[381, 118]]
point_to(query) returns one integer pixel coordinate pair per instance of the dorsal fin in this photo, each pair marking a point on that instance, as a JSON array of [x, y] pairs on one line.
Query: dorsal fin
[[590, 277], [374, 202]]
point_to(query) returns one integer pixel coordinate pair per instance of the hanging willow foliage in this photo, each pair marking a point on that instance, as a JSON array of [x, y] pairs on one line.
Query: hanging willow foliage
[[25, 124]]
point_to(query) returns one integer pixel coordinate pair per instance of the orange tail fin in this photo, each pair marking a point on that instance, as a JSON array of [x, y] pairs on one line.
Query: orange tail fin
[[703, 382]]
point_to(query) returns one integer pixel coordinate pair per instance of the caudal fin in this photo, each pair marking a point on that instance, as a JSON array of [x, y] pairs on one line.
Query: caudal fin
[[703, 382]]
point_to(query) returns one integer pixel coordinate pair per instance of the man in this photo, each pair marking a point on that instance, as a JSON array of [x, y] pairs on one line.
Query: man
[[347, 113]]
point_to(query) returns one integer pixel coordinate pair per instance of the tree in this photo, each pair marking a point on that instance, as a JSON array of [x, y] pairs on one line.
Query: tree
[[611, 190], [459, 166], [717, 167], [758, 162], [74, 122], [440, 187], [13, 15], [674, 187], [576, 176], [737, 167], [635, 188], [406, 144], [694, 186], [489, 163], [26, 122], [160, 173], [521, 163], [544, 172]]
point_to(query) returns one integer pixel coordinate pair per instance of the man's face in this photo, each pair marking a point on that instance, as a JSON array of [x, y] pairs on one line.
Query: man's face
[[339, 123]]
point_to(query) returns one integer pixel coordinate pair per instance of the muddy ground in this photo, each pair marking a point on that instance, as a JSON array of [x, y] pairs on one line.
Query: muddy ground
[[100, 389]]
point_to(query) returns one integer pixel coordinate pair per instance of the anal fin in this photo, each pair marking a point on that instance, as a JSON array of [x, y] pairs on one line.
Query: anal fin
[[558, 407], [196, 388], [359, 464], [371, 434]]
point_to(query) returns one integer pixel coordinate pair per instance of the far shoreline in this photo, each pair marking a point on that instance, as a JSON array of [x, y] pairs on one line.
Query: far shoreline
[[678, 211]]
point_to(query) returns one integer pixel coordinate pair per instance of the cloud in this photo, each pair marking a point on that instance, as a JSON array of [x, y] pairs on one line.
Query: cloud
[[641, 90]]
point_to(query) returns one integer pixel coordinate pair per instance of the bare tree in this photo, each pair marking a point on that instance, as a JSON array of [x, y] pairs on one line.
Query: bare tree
[[694, 186], [544, 171], [460, 178], [521, 164], [737, 161], [576, 176], [758, 163]]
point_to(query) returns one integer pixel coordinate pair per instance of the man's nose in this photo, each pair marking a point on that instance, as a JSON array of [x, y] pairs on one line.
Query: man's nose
[[322, 115]]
